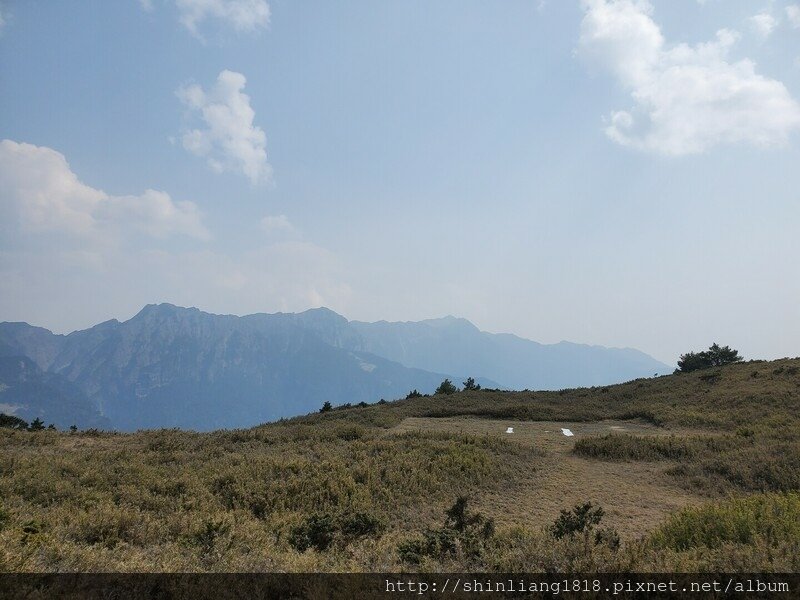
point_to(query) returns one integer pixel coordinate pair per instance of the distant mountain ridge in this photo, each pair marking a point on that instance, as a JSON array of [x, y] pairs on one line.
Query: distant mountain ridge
[[451, 345], [180, 367], [30, 393]]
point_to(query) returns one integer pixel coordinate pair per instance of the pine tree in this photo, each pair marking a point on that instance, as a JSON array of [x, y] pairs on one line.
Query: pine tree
[[446, 387]]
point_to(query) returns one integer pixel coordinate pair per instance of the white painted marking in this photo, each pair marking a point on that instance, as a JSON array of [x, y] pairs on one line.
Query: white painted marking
[[510, 430], [567, 432]]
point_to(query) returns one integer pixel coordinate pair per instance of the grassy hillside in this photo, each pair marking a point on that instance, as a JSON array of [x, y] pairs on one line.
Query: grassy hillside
[[693, 472]]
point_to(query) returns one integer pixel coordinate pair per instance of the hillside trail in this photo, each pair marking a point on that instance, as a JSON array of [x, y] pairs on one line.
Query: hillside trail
[[636, 496]]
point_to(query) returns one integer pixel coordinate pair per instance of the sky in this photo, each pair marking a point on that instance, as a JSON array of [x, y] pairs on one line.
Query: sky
[[613, 172]]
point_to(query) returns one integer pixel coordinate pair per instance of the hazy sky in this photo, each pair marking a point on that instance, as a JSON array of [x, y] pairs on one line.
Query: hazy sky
[[615, 172]]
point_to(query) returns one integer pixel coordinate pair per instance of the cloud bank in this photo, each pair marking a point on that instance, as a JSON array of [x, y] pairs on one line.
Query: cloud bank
[[79, 247], [687, 99], [228, 139], [40, 191]]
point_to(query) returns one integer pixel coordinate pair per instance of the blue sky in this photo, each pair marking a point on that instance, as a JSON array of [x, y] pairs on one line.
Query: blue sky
[[615, 172]]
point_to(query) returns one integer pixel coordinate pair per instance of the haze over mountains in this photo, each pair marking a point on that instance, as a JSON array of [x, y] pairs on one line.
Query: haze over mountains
[[181, 367]]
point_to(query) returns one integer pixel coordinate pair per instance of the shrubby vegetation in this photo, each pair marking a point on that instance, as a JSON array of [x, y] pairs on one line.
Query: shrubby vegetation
[[715, 356], [464, 536], [583, 520], [470, 385], [630, 447], [340, 490], [321, 531], [446, 388], [762, 518], [13, 422]]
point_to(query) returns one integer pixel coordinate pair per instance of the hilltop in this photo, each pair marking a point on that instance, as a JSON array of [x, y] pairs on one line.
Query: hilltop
[[694, 472]]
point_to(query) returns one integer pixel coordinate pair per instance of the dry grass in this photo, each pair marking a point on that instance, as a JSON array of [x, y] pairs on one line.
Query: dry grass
[[229, 500], [637, 496]]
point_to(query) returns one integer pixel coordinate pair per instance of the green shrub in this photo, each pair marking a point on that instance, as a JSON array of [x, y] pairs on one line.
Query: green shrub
[[582, 521], [323, 530], [209, 536], [360, 525], [316, 531], [578, 520], [715, 356], [762, 518], [12, 422], [446, 388], [412, 551], [630, 447], [350, 432], [463, 533], [470, 385]]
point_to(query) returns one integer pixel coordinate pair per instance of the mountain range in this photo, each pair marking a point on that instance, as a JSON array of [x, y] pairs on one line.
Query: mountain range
[[180, 367]]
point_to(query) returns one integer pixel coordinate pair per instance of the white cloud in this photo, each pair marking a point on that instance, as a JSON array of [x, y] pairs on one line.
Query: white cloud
[[86, 247], [687, 98], [763, 24], [146, 5], [229, 141], [38, 189], [242, 15], [2, 18], [793, 14], [278, 224]]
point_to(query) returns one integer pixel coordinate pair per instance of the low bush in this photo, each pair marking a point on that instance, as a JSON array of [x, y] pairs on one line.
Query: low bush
[[768, 519], [209, 538], [583, 520], [630, 447], [321, 531], [462, 534]]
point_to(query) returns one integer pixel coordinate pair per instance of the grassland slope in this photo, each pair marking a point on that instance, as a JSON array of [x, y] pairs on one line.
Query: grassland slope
[[367, 487]]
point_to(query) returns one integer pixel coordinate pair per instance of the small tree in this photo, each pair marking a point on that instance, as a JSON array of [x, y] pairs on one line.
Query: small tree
[[470, 384], [13, 422], [413, 394], [715, 356], [583, 520], [724, 355], [36, 425], [326, 407], [446, 387], [580, 519], [463, 533]]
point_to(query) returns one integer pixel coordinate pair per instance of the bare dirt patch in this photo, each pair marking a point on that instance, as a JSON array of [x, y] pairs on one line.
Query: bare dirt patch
[[635, 495]]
